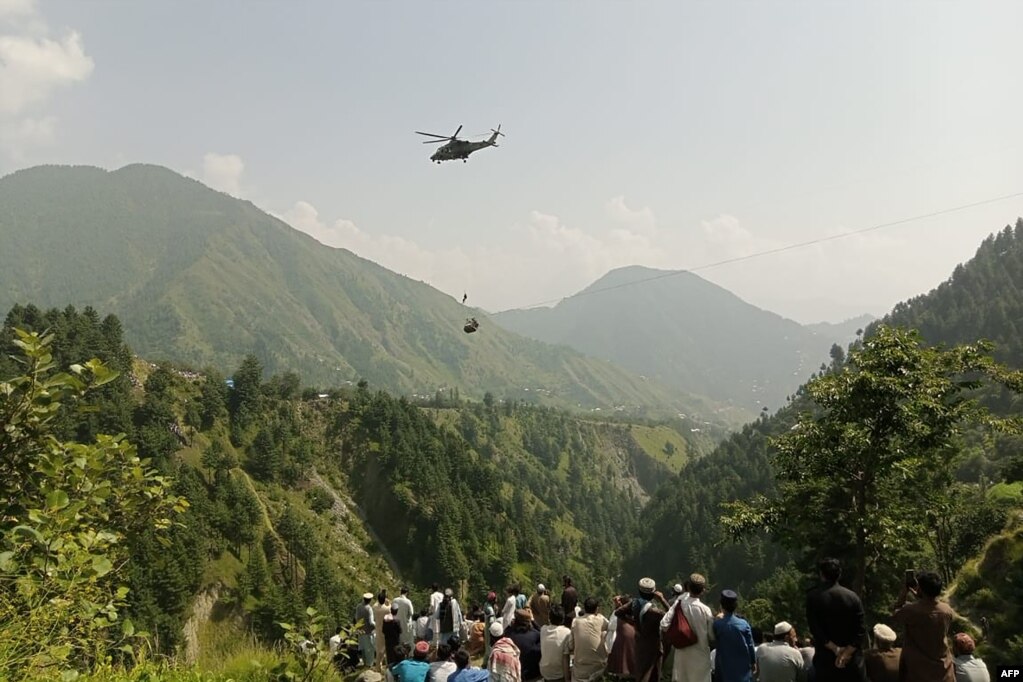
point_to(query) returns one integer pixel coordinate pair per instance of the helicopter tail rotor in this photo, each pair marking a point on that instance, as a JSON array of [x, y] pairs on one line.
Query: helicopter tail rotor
[[493, 138]]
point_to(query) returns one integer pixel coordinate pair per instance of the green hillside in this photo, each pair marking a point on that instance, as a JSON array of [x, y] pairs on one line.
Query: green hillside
[[682, 330], [296, 498], [681, 525], [201, 278], [990, 589]]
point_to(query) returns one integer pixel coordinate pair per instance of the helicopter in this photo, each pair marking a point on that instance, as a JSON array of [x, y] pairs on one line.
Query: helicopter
[[459, 149]]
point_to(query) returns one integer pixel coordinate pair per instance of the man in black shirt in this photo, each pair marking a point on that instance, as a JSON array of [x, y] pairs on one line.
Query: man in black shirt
[[527, 639], [835, 615]]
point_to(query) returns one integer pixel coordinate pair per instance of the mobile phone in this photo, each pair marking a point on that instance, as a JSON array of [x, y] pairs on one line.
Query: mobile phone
[[910, 577]]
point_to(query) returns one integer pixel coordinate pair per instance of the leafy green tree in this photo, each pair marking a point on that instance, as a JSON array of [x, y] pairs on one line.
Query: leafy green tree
[[266, 459], [213, 457], [256, 571], [212, 399], [958, 525], [857, 477], [284, 386], [68, 515], [246, 396], [243, 513], [155, 422]]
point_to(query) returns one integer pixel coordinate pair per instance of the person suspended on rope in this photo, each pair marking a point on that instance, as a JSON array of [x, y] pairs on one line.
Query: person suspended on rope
[[471, 325], [465, 297]]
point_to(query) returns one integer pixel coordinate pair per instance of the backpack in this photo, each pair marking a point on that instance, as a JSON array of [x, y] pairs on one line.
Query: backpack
[[680, 633]]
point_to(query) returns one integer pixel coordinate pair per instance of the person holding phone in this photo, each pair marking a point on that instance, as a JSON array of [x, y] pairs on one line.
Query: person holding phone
[[926, 621]]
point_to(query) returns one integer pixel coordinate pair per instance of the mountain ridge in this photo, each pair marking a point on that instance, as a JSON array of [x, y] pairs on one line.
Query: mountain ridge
[[683, 330], [200, 277]]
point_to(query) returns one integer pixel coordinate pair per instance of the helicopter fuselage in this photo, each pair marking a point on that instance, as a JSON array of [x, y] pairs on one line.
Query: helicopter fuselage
[[455, 148], [459, 149]]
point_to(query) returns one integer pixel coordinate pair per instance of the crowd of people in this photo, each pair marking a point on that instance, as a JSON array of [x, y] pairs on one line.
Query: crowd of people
[[528, 639]]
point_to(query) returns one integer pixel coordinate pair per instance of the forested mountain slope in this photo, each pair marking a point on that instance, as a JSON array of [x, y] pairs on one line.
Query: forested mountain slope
[[300, 498], [202, 278], [680, 526], [680, 329], [982, 299]]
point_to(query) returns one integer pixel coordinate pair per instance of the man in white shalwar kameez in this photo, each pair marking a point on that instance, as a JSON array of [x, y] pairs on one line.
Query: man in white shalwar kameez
[[692, 663]]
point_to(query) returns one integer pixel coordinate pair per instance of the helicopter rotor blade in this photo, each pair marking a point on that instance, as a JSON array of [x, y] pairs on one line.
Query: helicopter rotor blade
[[436, 141], [445, 137], [456, 132]]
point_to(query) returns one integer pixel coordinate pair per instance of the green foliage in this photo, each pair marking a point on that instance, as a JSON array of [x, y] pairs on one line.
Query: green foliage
[[307, 647], [991, 588], [959, 521], [247, 663], [246, 396], [213, 400], [76, 336], [495, 494], [784, 596], [864, 477], [980, 300], [319, 500], [680, 528], [69, 514], [155, 420]]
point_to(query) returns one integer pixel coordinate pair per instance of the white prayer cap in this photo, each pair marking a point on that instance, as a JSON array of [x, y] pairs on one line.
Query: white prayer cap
[[782, 628], [884, 633]]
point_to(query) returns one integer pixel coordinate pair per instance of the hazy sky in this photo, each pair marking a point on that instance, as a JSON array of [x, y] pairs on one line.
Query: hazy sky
[[667, 134]]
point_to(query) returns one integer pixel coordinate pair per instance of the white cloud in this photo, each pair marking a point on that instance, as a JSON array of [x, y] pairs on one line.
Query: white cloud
[[223, 172], [641, 221], [448, 269], [33, 66]]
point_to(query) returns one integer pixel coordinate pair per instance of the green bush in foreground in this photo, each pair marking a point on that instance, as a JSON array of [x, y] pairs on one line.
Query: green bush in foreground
[[67, 513]]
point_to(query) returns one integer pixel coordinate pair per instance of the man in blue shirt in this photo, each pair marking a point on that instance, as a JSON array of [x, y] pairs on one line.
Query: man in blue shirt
[[413, 669], [464, 672], [735, 659]]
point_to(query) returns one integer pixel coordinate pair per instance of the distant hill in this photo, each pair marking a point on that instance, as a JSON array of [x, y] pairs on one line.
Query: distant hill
[[686, 332], [199, 277], [843, 332]]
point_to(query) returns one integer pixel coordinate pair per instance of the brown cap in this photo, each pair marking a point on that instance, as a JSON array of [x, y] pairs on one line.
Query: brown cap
[[698, 580], [523, 615]]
